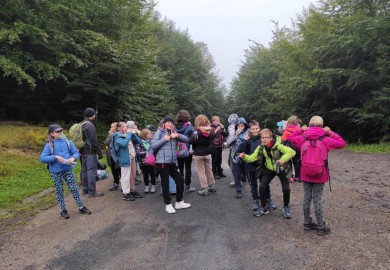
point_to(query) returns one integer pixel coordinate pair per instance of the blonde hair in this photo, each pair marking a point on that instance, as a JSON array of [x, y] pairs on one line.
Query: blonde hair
[[144, 133], [316, 121], [293, 120], [201, 120], [266, 130], [214, 118]]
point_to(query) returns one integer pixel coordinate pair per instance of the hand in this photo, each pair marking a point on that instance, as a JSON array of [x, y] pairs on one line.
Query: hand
[[100, 156], [327, 130], [246, 137], [281, 162], [71, 160], [167, 137], [304, 128], [242, 155], [222, 127], [174, 135], [218, 129], [59, 159], [238, 131], [225, 144]]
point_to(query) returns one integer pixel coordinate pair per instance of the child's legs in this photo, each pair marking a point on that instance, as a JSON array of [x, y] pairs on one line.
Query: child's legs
[[208, 170], [307, 196], [200, 166], [145, 173], [253, 184], [125, 179], [72, 185], [236, 170], [297, 165], [152, 174], [133, 173], [57, 179], [116, 174], [188, 173], [179, 180], [317, 202], [266, 178], [285, 188], [214, 158], [219, 160]]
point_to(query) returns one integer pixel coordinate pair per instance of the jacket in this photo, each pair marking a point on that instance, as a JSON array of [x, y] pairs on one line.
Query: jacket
[[332, 141], [142, 150], [201, 142], [186, 129], [91, 142], [286, 153], [218, 137], [60, 148], [121, 145], [288, 131], [165, 151], [249, 147]]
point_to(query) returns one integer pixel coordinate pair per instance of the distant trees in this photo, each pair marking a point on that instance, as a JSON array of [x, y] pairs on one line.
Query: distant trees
[[334, 62]]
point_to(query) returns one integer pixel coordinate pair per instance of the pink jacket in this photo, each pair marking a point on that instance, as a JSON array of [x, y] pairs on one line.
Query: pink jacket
[[332, 141]]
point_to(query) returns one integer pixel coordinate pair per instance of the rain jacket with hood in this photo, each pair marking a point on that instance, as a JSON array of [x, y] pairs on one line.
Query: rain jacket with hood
[[237, 140], [201, 141]]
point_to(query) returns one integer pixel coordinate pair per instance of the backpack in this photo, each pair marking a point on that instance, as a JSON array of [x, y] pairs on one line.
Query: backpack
[[182, 150], [314, 157], [113, 152], [76, 134]]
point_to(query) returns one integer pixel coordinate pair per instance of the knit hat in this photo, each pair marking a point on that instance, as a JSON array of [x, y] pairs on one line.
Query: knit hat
[[130, 124], [168, 118], [54, 127], [89, 112]]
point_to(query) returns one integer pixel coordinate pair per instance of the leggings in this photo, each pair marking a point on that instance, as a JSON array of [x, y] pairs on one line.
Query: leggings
[[312, 191], [68, 176]]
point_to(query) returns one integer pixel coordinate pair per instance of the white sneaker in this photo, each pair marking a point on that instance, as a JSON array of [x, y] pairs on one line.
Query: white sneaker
[[169, 209], [153, 189], [146, 189], [182, 205]]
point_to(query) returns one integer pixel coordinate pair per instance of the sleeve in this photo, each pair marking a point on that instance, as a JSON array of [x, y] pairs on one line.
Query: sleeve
[[334, 141], [135, 139], [288, 153], [182, 138], [73, 150], [108, 140], [242, 147], [296, 139], [46, 157], [121, 142], [252, 157], [156, 141], [91, 133], [232, 135]]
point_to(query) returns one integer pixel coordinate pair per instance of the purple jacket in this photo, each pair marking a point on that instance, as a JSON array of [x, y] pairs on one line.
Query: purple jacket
[[332, 141]]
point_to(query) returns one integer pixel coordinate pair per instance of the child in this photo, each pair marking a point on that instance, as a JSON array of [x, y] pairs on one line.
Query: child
[[164, 144], [115, 168], [313, 186], [201, 141], [61, 155], [219, 133], [275, 155], [143, 149], [293, 123]]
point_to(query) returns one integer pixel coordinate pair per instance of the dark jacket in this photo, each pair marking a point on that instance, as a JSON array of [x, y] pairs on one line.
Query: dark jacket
[[248, 147], [218, 137], [91, 142], [186, 129], [202, 142]]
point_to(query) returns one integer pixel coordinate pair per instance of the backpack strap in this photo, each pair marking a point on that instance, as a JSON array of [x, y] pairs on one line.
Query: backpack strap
[[51, 145]]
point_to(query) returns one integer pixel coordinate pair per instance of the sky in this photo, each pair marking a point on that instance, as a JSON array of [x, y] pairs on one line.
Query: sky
[[227, 26]]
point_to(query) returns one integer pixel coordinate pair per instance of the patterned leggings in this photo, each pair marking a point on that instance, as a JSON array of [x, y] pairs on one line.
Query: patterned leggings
[[68, 176], [312, 191]]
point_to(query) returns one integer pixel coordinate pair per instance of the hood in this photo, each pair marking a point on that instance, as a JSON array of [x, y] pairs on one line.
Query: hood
[[242, 120], [205, 131], [181, 126], [313, 133]]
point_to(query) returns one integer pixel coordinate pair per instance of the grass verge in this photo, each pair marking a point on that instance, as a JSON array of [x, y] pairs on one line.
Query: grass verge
[[382, 148]]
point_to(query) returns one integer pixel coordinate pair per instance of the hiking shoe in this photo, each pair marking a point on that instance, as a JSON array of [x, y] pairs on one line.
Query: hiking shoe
[[323, 229], [255, 205], [286, 212], [257, 213], [128, 197], [135, 194], [169, 209], [216, 176], [182, 205], [263, 210], [310, 226], [212, 188], [221, 174], [203, 192], [189, 189], [97, 194], [271, 204], [232, 184], [114, 187], [64, 214], [238, 195], [85, 210], [153, 189]]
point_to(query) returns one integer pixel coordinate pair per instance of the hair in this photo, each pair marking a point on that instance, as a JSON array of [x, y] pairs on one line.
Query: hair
[[121, 124], [116, 124], [293, 120], [316, 121], [201, 120], [267, 131], [215, 118], [144, 133], [182, 116], [254, 123]]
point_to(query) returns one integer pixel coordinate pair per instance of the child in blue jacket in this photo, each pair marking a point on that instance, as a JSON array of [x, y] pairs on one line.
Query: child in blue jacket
[[61, 154]]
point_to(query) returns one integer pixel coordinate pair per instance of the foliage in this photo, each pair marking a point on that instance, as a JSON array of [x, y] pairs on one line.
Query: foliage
[[370, 148]]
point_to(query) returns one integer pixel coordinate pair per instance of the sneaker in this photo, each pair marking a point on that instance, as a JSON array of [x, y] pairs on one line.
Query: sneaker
[[169, 209], [221, 174], [271, 204], [286, 212], [84, 192], [64, 214], [182, 205], [153, 189], [136, 194], [238, 195], [203, 192], [255, 205], [216, 176], [97, 194], [85, 210], [323, 229], [114, 187], [232, 184], [128, 197], [212, 188], [310, 226], [146, 189], [189, 189], [263, 210], [257, 213]]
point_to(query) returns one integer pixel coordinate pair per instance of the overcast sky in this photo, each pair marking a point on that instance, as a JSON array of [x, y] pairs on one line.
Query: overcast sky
[[227, 25]]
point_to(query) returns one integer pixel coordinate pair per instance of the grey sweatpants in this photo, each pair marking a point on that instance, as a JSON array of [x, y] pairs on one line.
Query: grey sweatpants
[[312, 191]]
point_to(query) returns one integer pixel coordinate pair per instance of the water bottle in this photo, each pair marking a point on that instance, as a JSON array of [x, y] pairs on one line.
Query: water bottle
[[277, 167]]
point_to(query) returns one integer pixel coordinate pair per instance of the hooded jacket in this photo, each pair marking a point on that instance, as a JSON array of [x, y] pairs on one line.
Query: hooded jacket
[[201, 141], [249, 147], [331, 141], [165, 151], [218, 136], [121, 145], [186, 129], [60, 148]]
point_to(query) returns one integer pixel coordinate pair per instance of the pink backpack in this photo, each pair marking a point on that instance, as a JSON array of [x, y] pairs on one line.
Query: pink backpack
[[314, 157]]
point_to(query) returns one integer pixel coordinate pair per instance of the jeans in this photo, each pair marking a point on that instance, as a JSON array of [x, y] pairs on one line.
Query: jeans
[[238, 170], [89, 173]]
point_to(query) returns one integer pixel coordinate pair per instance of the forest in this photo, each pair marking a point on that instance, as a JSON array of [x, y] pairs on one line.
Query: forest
[[122, 58]]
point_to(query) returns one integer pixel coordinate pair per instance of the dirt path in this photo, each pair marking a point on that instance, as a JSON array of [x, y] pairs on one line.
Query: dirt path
[[217, 232]]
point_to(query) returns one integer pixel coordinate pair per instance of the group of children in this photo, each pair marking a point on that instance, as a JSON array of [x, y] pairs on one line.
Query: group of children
[[255, 155]]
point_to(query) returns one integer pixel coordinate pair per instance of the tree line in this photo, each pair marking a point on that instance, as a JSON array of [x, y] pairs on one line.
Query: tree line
[[333, 62]]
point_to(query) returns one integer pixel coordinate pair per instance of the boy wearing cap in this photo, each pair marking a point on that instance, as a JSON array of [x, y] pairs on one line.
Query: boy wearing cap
[[60, 154], [88, 155]]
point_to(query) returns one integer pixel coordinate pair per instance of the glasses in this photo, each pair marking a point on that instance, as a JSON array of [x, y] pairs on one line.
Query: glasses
[[58, 131]]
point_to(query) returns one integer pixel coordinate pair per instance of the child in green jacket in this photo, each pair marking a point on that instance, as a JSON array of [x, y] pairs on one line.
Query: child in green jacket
[[273, 156]]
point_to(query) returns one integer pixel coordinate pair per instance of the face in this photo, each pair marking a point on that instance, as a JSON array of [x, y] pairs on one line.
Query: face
[[124, 129], [216, 122], [266, 138], [241, 126], [149, 136], [169, 125], [57, 134], [254, 130], [113, 128]]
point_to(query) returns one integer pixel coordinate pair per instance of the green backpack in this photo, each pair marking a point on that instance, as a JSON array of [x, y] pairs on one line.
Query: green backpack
[[76, 134]]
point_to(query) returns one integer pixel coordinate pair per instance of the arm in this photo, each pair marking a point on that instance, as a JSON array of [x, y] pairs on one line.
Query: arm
[[296, 139], [252, 157], [46, 157], [108, 140], [135, 139], [123, 141], [156, 141], [182, 138], [90, 132], [288, 153], [334, 141]]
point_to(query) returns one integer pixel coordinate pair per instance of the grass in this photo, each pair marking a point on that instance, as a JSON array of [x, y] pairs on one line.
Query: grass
[[382, 148]]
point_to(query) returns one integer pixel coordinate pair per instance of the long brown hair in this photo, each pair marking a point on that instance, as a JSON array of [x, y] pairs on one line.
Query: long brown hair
[[201, 120]]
